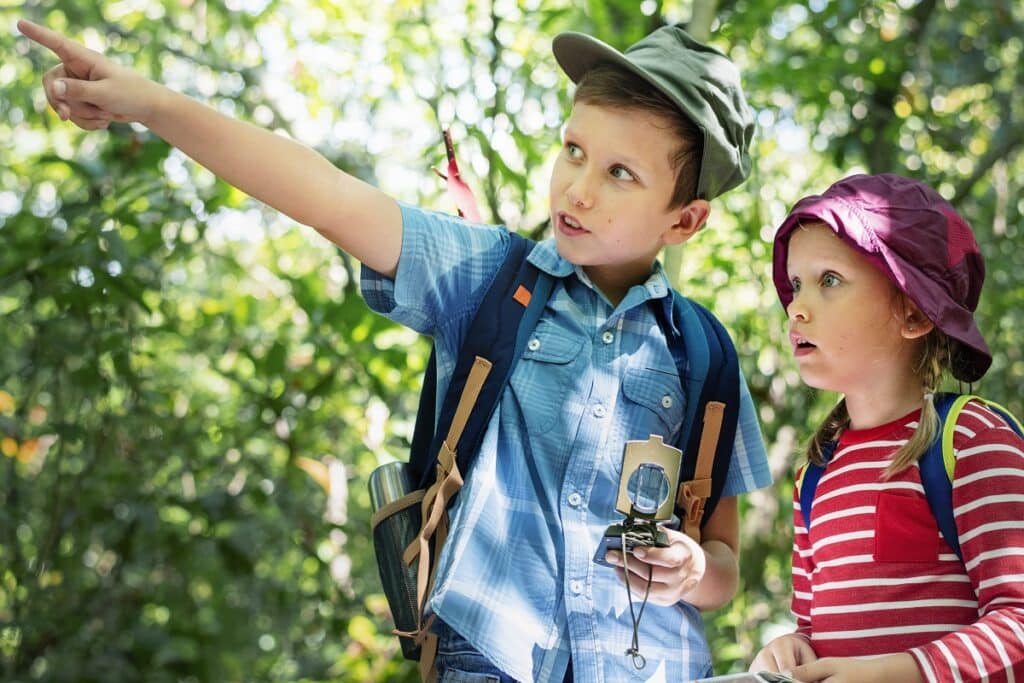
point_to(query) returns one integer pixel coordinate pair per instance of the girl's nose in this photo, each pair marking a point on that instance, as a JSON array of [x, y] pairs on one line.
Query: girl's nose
[[796, 310]]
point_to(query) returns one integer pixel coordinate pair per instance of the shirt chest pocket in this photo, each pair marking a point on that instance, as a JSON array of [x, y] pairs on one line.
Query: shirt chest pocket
[[655, 400], [543, 376], [905, 530]]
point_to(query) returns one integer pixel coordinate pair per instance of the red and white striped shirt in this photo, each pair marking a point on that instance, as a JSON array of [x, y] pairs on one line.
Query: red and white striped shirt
[[874, 575]]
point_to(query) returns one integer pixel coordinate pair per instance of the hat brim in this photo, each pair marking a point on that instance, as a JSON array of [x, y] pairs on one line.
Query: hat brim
[[578, 53], [970, 359]]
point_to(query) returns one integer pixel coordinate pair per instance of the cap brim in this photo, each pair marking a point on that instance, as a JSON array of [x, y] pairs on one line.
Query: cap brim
[[578, 53]]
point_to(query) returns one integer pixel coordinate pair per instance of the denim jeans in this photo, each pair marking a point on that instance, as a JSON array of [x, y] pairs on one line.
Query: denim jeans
[[458, 662]]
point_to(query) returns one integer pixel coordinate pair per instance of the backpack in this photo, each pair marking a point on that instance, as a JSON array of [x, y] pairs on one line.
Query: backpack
[[410, 500], [413, 527], [936, 464]]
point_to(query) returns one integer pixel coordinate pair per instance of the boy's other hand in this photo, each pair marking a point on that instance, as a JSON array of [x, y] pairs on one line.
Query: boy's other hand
[[87, 88], [675, 570]]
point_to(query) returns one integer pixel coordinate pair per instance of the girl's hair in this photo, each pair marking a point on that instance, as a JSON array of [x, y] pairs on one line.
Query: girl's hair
[[606, 85], [933, 360]]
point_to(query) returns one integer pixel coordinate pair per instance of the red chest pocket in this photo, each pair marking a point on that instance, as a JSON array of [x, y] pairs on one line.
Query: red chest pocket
[[905, 530]]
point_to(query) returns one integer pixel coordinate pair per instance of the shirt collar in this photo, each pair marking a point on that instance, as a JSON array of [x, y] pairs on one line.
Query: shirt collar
[[546, 257]]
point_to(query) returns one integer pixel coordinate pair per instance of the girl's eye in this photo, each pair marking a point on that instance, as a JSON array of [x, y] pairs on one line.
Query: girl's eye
[[829, 280], [622, 173], [795, 284], [573, 150]]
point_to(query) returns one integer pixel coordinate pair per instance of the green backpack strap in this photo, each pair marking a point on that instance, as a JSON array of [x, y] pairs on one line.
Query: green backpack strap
[[938, 464], [949, 426]]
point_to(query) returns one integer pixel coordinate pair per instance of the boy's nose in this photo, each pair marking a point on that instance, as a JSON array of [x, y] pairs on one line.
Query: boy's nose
[[579, 195], [579, 202]]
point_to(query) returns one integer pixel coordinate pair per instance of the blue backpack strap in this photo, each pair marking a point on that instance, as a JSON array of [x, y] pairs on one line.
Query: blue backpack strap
[[498, 332], [938, 462], [708, 369], [937, 482], [808, 482]]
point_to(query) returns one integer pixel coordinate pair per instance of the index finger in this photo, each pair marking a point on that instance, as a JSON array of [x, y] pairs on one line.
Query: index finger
[[58, 44]]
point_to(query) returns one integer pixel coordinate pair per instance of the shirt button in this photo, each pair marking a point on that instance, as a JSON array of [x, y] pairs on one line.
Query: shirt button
[[598, 411], [576, 587], [666, 401], [575, 499], [534, 344], [608, 337]]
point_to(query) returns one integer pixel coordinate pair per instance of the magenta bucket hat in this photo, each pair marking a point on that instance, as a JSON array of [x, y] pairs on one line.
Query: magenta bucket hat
[[910, 233]]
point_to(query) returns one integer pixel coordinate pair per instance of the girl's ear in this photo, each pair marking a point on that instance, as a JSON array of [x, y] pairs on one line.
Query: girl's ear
[[692, 217], [915, 323]]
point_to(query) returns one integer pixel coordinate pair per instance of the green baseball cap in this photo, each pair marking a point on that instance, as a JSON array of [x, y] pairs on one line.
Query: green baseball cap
[[698, 78]]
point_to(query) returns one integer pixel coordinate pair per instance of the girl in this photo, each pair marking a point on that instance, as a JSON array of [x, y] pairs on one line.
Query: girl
[[880, 278]]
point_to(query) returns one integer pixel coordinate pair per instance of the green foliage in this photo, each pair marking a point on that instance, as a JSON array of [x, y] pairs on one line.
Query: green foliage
[[178, 359]]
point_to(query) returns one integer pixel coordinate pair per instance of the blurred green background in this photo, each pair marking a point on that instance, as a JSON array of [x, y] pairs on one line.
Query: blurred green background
[[192, 393]]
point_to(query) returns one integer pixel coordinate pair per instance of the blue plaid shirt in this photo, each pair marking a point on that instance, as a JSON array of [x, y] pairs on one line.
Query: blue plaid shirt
[[516, 577]]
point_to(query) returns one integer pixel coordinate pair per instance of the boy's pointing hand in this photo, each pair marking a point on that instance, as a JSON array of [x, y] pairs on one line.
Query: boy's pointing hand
[[87, 88]]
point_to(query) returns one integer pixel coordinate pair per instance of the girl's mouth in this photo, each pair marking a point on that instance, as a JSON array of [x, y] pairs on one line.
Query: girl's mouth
[[801, 347]]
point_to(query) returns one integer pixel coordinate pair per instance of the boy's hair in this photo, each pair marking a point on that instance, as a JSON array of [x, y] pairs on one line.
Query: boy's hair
[[606, 85]]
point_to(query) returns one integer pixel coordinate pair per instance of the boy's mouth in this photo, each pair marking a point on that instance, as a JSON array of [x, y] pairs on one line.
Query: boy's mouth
[[568, 225]]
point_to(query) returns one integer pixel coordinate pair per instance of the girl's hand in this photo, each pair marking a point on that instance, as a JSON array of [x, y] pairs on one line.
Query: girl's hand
[[900, 667], [675, 570], [783, 654], [87, 88]]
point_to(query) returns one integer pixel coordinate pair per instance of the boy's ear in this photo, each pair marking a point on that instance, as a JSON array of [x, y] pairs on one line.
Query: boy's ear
[[915, 323], [692, 217]]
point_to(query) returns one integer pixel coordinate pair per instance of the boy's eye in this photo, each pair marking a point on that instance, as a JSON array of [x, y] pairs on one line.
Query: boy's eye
[[622, 173], [573, 150]]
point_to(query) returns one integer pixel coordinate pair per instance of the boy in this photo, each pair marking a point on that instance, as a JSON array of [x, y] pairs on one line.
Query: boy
[[654, 134]]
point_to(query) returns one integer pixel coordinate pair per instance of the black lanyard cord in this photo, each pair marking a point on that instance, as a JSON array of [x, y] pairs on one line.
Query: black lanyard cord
[[639, 662]]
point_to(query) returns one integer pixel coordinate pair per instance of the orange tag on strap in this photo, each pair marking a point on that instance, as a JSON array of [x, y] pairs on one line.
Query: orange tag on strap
[[522, 296]]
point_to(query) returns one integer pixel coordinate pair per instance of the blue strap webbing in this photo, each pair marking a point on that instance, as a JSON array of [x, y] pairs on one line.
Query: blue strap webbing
[[497, 333], [809, 482], [938, 488], [708, 370]]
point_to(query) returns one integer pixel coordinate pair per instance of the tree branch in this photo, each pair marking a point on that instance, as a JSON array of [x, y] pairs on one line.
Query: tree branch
[[1004, 143]]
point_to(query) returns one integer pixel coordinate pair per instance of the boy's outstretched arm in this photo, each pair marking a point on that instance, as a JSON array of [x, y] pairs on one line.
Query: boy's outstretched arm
[[92, 90]]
